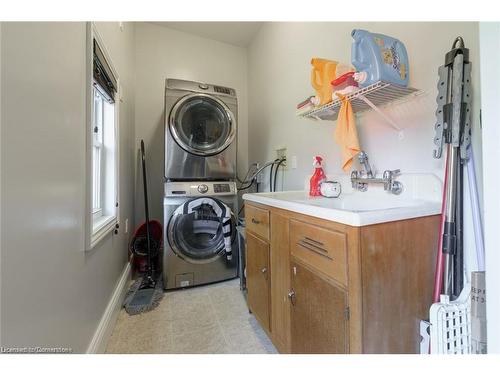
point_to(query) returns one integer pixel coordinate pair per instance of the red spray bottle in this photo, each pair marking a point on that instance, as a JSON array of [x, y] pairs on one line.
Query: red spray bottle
[[317, 178]]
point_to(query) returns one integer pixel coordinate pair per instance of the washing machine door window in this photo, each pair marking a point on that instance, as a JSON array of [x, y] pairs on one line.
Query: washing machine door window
[[198, 237], [202, 124]]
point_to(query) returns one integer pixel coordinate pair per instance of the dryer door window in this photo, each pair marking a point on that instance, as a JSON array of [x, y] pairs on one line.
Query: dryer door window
[[202, 124], [198, 237]]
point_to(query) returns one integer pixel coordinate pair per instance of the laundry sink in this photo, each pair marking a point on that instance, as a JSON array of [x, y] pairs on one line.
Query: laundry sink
[[358, 204], [421, 198]]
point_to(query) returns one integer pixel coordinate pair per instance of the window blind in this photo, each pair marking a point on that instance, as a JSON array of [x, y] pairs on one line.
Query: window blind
[[104, 80]]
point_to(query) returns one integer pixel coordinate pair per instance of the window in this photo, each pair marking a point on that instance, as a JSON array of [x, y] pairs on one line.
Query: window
[[97, 170], [102, 146]]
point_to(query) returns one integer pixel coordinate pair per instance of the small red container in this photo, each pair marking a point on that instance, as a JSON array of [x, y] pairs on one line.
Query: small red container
[[344, 81]]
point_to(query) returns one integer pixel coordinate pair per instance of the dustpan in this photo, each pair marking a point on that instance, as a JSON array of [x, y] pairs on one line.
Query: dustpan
[[451, 324]]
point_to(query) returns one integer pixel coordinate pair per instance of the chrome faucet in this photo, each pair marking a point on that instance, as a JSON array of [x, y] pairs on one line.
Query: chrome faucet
[[363, 160], [361, 183]]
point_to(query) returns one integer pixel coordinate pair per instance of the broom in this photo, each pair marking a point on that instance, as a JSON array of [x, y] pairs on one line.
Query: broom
[[146, 292]]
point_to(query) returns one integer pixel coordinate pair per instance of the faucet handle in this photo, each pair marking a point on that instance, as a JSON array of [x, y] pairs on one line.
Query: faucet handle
[[388, 174]]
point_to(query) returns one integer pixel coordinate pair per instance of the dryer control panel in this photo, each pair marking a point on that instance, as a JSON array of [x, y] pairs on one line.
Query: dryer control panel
[[200, 188]]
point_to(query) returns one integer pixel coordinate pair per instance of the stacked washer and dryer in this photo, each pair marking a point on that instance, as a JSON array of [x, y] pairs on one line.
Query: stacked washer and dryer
[[201, 198]]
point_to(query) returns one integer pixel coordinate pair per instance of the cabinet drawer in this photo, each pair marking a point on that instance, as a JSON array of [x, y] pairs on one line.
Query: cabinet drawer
[[323, 249], [257, 221]]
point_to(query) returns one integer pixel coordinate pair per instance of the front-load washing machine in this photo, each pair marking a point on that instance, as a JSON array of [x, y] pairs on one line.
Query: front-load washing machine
[[200, 131], [200, 234]]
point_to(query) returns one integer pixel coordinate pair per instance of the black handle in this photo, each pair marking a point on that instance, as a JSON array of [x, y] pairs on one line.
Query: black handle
[[146, 208]]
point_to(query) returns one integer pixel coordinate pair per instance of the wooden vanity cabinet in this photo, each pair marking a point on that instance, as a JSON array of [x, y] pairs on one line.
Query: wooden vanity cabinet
[[333, 288]]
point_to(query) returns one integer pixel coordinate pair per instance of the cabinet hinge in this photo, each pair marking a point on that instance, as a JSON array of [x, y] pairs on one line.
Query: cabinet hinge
[[347, 313]]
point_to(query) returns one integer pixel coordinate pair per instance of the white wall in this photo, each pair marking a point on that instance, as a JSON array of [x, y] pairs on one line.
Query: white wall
[[279, 70], [166, 53], [53, 293], [490, 76]]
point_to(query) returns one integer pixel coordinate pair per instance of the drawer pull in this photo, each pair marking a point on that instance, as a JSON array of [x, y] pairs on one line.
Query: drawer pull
[[264, 272], [291, 297], [314, 248], [255, 221], [309, 239]]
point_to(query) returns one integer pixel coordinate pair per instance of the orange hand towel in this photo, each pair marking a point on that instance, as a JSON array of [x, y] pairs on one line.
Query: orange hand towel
[[346, 134]]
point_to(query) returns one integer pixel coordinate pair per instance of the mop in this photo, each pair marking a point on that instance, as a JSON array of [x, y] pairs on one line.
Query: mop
[[146, 292]]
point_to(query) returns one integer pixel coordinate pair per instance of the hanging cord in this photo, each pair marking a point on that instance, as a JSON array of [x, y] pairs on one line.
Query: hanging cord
[[252, 179], [276, 172], [241, 209], [247, 186], [271, 175], [245, 180]]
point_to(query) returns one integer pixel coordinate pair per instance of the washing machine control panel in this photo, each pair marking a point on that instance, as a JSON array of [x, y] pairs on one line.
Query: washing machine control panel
[[198, 188], [222, 188]]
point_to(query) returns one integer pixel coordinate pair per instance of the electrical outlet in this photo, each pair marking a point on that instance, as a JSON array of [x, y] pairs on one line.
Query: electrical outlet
[[126, 225], [293, 162]]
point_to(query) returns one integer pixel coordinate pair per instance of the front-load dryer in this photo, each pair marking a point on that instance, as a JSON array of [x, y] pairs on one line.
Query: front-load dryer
[[201, 244], [200, 131]]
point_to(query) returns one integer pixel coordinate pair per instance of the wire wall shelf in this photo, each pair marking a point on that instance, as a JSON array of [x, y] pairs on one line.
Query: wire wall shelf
[[370, 97]]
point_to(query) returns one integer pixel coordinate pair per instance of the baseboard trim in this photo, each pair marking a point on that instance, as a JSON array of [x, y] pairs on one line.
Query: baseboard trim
[[108, 319]]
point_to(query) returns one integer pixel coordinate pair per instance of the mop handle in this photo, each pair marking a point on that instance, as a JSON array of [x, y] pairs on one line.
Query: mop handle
[[146, 207], [476, 214], [438, 273]]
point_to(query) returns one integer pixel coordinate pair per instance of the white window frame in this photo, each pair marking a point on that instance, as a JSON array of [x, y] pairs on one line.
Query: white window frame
[[97, 225]]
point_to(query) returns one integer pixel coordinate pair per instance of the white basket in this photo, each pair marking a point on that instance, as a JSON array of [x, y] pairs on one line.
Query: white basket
[[451, 324]]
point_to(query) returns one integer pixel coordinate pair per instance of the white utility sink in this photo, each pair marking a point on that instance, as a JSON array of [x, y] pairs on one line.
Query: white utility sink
[[421, 197], [357, 204]]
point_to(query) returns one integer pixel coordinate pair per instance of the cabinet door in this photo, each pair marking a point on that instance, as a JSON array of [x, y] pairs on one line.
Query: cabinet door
[[280, 282], [318, 313], [258, 279]]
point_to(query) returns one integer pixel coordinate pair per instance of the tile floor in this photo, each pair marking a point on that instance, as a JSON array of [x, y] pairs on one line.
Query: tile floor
[[208, 319]]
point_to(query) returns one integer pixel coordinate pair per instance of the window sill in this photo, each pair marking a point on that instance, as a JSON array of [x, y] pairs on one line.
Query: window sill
[[101, 228]]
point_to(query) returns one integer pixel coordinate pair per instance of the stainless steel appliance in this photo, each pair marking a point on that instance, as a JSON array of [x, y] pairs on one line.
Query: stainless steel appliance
[[200, 131], [194, 251]]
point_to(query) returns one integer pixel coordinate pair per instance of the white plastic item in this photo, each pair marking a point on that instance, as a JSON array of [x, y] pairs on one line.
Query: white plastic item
[[360, 77], [344, 91], [330, 189], [451, 324], [315, 100]]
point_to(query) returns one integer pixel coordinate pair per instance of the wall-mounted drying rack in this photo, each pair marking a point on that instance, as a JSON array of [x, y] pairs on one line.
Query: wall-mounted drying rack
[[370, 97]]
